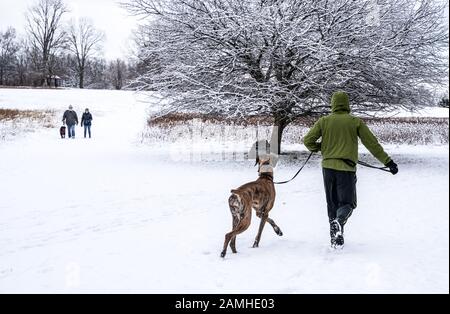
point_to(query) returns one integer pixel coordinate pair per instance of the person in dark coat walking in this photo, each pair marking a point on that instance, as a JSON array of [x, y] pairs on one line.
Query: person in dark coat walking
[[339, 147], [86, 121], [70, 118]]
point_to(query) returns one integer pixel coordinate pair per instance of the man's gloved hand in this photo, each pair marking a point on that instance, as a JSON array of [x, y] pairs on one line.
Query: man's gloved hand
[[393, 168]]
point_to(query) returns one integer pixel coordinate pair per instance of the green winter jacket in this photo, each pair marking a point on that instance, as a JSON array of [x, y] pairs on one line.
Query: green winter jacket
[[339, 132]]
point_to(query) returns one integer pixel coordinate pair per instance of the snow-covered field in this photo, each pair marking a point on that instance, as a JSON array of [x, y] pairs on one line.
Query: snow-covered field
[[112, 215]]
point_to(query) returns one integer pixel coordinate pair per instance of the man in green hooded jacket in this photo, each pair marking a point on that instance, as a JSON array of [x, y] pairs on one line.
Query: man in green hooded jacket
[[339, 147]]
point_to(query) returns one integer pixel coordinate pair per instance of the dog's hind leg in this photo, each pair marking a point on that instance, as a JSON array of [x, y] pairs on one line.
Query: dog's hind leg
[[232, 236], [233, 240], [241, 227], [228, 237], [261, 227], [233, 245], [275, 227]]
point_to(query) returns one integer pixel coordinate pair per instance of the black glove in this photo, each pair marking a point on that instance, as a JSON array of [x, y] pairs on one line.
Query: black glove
[[392, 167]]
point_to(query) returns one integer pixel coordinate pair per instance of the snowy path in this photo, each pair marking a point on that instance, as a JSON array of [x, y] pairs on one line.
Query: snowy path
[[108, 215]]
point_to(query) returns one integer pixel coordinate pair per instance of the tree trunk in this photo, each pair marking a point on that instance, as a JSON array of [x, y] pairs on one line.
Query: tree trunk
[[280, 124], [45, 68], [82, 79]]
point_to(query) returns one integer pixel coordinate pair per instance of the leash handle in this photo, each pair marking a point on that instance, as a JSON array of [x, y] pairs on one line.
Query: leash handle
[[301, 168]]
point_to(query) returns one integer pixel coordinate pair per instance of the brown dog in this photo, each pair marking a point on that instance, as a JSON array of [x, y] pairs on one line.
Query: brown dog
[[259, 195]]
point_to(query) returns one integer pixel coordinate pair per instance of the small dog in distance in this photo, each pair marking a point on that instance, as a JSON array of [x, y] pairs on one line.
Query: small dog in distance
[[62, 131]]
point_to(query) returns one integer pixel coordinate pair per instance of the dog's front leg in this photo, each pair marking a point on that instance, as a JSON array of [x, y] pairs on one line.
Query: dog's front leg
[[261, 227]]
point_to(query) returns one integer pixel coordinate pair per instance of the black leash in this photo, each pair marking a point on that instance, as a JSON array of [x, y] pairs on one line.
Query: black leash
[[301, 168], [351, 163], [362, 163]]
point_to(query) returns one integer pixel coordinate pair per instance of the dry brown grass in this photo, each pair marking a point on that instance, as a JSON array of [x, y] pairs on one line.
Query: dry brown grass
[[12, 114], [44, 116], [418, 130], [181, 118]]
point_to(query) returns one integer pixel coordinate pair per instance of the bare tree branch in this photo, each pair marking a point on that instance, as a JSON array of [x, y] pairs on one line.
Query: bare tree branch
[[44, 29], [83, 42]]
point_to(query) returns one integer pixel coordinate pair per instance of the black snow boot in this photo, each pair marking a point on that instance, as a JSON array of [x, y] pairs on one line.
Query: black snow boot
[[336, 234]]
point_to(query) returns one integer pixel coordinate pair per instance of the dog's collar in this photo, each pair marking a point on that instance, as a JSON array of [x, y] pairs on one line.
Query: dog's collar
[[266, 174]]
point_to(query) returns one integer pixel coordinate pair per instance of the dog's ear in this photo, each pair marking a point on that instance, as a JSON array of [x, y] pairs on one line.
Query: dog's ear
[[256, 160]]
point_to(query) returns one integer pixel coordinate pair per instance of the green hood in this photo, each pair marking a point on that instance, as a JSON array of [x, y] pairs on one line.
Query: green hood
[[340, 102]]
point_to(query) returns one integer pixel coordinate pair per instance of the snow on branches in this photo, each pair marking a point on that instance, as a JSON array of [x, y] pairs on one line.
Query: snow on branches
[[284, 58]]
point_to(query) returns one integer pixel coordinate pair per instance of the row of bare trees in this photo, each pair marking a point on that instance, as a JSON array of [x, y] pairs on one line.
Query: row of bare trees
[[71, 50]]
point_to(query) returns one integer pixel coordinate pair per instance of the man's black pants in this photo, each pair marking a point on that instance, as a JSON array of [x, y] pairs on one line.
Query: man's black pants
[[340, 190]]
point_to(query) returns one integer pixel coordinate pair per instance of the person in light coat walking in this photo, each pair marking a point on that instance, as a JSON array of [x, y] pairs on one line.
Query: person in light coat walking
[[70, 119]]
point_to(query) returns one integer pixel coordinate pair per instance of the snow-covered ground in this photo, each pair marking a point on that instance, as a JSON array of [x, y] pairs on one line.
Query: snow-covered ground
[[112, 215]]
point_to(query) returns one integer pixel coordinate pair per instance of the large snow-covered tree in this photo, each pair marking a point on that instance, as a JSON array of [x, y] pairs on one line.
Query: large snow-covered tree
[[284, 58]]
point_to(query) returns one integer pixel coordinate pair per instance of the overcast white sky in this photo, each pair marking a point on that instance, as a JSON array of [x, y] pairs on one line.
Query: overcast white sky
[[105, 14]]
